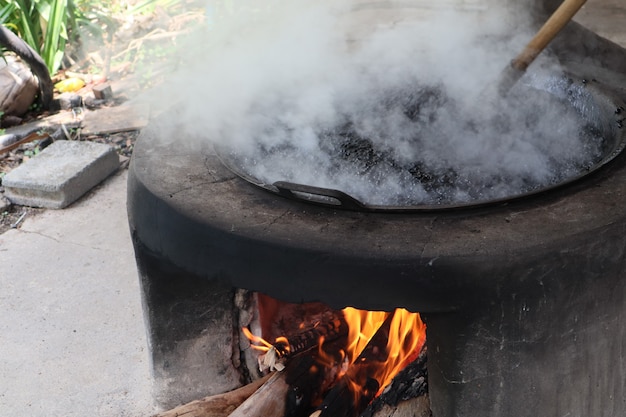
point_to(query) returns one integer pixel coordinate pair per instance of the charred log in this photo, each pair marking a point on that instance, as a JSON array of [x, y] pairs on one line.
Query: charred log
[[310, 358], [337, 378], [351, 395], [330, 327], [347, 398], [310, 376], [410, 383]]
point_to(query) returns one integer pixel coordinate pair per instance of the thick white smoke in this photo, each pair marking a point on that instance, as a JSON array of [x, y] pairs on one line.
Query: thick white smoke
[[389, 104]]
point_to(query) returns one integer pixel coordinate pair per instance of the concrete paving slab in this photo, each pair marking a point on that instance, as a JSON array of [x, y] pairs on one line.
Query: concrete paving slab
[[60, 174], [72, 336]]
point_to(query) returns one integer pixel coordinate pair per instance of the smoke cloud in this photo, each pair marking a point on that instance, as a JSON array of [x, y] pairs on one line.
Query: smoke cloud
[[386, 101]]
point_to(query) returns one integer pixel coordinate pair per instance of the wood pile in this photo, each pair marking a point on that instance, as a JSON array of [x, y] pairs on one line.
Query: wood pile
[[312, 382]]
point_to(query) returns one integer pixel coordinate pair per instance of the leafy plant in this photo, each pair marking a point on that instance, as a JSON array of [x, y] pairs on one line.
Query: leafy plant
[[43, 24], [55, 34], [36, 150], [48, 26]]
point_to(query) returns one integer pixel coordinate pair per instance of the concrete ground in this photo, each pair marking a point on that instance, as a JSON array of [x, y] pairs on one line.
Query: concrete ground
[[72, 336], [606, 18]]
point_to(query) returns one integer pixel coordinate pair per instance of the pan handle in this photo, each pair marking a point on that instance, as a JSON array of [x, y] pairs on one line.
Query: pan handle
[[317, 195]]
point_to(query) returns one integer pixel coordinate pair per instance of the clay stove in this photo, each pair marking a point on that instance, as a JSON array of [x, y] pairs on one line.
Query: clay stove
[[525, 301]]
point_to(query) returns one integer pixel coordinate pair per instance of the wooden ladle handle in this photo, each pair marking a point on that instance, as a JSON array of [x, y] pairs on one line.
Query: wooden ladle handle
[[548, 31]]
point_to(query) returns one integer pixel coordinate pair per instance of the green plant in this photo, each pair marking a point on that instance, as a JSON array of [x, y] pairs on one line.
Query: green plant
[[32, 152], [43, 24], [48, 26]]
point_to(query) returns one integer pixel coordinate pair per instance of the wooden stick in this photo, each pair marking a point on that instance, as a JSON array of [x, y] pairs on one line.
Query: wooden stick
[[29, 138], [332, 327], [220, 405], [311, 375], [267, 401], [557, 21]]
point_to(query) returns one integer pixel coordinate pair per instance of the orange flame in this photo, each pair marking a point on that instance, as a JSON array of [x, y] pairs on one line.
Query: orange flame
[[257, 343], [362, 325], [406, 338], [407, 334]]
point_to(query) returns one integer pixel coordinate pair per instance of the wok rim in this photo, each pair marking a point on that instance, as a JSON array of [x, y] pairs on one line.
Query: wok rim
[[599, 94]]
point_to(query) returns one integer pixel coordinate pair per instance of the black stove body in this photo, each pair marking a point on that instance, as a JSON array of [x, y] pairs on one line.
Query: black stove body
[[525, 301]]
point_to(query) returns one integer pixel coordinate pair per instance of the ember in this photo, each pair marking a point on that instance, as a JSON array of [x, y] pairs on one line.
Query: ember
[[339, 363]]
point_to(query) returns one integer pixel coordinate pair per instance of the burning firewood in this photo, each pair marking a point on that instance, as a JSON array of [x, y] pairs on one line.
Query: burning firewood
[[311, 360], [332, 326], [341, 376], [313, 375], [407, 395], [393, 346], [358, 386], [310, 376]]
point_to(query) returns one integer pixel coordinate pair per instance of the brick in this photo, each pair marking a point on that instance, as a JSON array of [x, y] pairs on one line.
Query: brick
[[60, 174]]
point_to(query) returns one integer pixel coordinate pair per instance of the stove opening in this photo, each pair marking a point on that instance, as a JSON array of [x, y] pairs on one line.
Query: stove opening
[[339, 362]]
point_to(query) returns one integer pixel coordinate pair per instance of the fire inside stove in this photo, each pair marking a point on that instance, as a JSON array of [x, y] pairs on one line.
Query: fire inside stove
[[335, 362]]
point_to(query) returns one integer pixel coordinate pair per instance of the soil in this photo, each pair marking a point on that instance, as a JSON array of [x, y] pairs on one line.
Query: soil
[[13, 216]]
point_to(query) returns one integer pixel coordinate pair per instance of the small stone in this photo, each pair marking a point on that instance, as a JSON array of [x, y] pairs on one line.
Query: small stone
[[103, 91], [8, 139], [93, 103], [68, 101], [10, 120]]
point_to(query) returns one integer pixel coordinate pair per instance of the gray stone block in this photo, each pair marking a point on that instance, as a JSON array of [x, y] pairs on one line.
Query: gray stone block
[[60, 174]]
